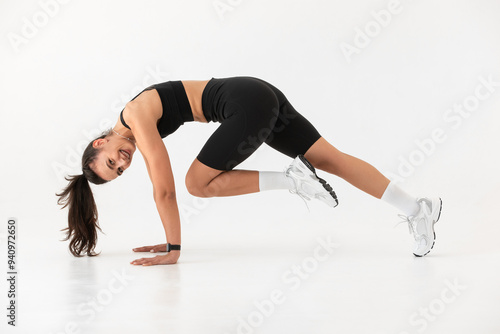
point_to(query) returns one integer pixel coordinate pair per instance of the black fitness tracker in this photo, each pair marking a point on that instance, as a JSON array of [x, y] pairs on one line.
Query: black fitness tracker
[[171, 247]]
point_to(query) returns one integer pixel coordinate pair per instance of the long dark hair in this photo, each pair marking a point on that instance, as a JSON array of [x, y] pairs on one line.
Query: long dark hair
[[82, 214]]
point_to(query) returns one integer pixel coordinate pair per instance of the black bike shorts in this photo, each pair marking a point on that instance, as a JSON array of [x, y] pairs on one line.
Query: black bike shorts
[[251, 111]]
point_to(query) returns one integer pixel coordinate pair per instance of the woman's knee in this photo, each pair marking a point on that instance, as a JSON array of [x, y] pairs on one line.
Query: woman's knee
[[194, 187], [191, 185]]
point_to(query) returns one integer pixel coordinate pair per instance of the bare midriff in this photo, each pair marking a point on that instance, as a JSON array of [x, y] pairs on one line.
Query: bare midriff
[[194, 91]]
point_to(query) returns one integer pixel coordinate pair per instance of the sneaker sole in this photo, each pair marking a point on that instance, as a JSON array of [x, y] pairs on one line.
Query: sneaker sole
[[434, 241], [323, 182]]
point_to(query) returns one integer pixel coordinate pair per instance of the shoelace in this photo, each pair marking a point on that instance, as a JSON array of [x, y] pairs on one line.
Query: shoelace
[[297, 190], [411, 224]]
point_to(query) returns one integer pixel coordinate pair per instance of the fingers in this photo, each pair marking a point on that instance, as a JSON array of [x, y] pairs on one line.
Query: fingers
[[144, 261], [154, 249], [158, 259], [142, 249], [151, 249]]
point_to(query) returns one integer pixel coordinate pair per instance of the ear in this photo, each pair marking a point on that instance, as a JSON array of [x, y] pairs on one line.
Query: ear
[[99, 142]]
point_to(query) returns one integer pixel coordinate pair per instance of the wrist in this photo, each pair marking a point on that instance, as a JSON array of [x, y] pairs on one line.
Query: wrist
[[173, 248]]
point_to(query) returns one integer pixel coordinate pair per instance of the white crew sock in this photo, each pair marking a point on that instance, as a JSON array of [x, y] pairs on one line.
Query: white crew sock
[[397, 197], [274, 180]]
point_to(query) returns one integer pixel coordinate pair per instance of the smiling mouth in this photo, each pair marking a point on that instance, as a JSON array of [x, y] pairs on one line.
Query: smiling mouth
[[125, 153]]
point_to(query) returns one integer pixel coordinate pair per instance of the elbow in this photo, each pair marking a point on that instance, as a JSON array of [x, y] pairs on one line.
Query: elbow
[[164, 195]]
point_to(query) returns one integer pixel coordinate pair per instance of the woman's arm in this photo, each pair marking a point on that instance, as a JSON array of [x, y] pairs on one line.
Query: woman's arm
[[152, 148]]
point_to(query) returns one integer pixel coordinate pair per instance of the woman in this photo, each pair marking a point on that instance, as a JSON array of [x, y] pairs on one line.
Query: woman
[[251, 111]]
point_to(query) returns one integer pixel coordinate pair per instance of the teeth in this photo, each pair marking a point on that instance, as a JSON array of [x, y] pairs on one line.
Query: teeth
[[126, 154]]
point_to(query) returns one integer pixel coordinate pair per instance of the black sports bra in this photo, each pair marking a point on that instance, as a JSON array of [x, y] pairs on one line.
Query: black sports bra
[[175, 104]]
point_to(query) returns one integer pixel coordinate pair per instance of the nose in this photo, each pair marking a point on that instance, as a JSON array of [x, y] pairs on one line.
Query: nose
[[121, 164], [124, 164]]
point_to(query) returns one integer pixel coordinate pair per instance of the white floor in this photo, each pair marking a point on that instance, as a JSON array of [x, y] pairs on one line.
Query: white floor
[[343, 270], [255, 264]]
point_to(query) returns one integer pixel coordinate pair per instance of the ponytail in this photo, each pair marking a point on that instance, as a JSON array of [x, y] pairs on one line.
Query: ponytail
[[82, 216], [82, 210]]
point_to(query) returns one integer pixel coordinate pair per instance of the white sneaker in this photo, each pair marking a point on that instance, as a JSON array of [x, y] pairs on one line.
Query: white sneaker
[[421, 225], [307, 184]]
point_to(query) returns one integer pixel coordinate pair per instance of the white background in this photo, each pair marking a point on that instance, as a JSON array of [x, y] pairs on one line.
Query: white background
[[81, 61]]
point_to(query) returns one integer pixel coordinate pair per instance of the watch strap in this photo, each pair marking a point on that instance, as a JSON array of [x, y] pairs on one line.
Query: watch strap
[[171, 247]]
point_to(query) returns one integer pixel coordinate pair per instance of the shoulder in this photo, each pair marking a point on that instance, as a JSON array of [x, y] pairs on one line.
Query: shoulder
[[145, 108]]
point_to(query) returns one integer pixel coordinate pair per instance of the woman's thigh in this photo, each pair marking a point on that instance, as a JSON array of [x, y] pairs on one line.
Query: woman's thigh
[[251, 112], [292, 134]]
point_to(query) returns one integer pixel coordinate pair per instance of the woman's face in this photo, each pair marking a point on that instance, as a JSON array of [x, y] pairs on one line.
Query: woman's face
[[114, 158]]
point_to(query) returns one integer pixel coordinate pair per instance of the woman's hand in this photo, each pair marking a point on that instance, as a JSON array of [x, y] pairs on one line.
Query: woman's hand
[[169, 258], [152, 249]]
